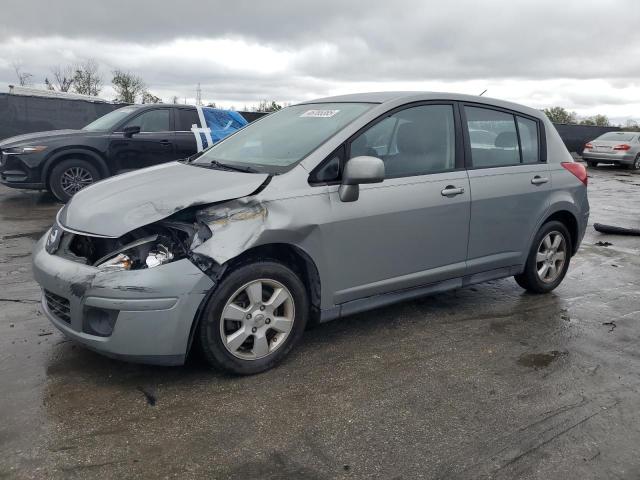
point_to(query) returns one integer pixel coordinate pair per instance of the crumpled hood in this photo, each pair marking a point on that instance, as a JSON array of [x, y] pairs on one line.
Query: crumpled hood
[[37, 136], [125, 202]]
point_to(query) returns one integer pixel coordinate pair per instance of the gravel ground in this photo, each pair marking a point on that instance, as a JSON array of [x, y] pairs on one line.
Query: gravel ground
[[482, 382]]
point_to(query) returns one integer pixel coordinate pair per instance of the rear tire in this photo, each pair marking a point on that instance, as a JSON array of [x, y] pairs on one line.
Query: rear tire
[[257, 314], [70, 176], [547, 263], [636, 163]]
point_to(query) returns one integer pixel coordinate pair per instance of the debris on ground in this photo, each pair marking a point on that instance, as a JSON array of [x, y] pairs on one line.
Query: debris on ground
[[604, 244], [616, 230], [44, 334], [149, 395], [611, 324]]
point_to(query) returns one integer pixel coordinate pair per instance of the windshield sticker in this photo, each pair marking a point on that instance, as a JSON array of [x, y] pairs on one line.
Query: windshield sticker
[[319, 113]]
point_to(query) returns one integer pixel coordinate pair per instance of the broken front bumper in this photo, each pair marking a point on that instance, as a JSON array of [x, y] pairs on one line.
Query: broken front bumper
[[141, 315]]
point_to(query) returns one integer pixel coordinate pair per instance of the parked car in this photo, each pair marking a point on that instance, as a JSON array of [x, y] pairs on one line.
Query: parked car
[[618, 148], [132, 137], [318, 211]]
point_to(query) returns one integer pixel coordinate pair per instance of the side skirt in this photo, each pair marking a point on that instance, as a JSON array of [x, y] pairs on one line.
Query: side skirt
[[384, 299]]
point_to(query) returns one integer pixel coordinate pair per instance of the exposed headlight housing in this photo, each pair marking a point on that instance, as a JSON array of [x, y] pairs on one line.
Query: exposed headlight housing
[[119, 262], [24, 150]]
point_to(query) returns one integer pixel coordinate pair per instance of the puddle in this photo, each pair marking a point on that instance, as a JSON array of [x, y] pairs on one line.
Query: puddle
[[539, 360]]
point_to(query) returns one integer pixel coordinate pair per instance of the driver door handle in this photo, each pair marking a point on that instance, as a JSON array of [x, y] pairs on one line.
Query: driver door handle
[[165, 143], [537, 180], [451, 191]]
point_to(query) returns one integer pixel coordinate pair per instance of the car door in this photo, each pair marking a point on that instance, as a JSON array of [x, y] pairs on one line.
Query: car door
[[510, 185], [185, 139], [152, 145], [412, 228]]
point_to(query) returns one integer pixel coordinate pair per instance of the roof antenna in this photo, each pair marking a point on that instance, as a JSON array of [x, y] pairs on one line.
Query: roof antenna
[[483, 92]]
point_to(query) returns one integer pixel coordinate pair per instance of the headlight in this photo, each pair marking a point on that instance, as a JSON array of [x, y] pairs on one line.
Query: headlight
[[159, 256], [136, 256], [24, 150]]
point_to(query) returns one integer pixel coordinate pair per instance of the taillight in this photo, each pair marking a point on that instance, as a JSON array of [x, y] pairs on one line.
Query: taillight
[[588, 146], [578, 170], [624, 146]]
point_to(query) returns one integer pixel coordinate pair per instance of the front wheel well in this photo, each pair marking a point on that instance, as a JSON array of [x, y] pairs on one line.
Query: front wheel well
[[294, 258], [569, 221], [79, 155]]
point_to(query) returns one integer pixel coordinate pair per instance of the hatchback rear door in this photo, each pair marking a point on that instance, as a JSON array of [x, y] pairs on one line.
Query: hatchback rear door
[[510, 186]]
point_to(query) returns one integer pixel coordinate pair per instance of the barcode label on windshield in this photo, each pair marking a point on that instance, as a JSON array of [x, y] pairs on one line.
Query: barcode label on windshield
[[319, 113]]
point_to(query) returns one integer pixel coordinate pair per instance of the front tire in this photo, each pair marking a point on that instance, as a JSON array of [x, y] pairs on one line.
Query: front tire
[[70, 176], [636, 163], [548, 259], [257, 314]]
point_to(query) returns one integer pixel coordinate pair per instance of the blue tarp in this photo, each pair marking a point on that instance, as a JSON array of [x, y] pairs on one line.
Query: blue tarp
[[218, 124]]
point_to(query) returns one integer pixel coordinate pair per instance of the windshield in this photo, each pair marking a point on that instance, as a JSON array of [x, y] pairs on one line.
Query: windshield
[[276, 142], [617, 136], [108, 122]]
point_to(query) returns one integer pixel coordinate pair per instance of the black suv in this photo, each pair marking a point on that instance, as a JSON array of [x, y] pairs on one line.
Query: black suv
[[132, 137]]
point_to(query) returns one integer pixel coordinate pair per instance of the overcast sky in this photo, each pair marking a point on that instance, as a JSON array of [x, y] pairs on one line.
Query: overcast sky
[[583, 55]]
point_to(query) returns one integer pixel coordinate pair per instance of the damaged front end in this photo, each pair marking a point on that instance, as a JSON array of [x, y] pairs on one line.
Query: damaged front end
[[146, 247]]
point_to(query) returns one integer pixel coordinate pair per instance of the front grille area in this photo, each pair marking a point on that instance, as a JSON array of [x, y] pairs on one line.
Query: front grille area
[[58, 305]]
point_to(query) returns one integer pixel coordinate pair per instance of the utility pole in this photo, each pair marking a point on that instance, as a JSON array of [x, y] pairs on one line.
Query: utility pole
[[198, 95]]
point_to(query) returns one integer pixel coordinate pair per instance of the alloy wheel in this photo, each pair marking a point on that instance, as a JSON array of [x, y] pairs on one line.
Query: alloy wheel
[[551, 257], [74, 179], [257, 319]]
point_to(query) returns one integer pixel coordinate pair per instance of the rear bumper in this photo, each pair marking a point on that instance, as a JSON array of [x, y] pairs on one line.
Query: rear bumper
[[623, 159], [149, 312]]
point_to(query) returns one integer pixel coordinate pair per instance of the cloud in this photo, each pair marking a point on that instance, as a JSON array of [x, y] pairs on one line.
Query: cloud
[[244, 51]]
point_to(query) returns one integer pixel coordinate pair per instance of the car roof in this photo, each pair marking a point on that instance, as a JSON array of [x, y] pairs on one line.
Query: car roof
[[395, 97]]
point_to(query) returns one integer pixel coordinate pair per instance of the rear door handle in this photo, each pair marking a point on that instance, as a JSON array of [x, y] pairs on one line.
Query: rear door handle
[[537, 180], [165, 143], [451, 191]]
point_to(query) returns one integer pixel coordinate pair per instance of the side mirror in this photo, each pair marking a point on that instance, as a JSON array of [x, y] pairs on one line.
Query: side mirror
[[359, 170], [130, 131]]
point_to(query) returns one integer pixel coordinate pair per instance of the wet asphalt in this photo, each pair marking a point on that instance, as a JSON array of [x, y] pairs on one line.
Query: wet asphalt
[[482, 382]]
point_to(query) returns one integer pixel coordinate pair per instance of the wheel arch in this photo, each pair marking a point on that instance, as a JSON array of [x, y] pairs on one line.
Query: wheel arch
[[569, 220], [77, 152], [289, 255]]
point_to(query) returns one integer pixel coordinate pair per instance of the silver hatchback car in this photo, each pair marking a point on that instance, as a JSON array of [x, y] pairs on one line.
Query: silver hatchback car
[[321, 210], [618, 148]]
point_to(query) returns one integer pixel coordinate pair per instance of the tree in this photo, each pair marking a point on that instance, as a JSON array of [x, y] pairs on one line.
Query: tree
[[266, 106], [601, 120], [175, 99], [598, 120], [62, 76], [48, 84], [87, 79], [24, 78], [560, 115], [148, 97], [127, 86]]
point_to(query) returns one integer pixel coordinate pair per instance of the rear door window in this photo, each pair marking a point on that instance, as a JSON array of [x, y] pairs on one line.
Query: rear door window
[[500, 139], [493, 138]]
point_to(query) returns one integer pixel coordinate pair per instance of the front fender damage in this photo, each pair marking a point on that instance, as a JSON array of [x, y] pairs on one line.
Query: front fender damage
[[236, 226]]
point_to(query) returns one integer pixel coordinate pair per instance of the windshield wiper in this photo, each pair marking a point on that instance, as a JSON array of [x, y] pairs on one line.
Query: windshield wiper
[[216, 163]]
